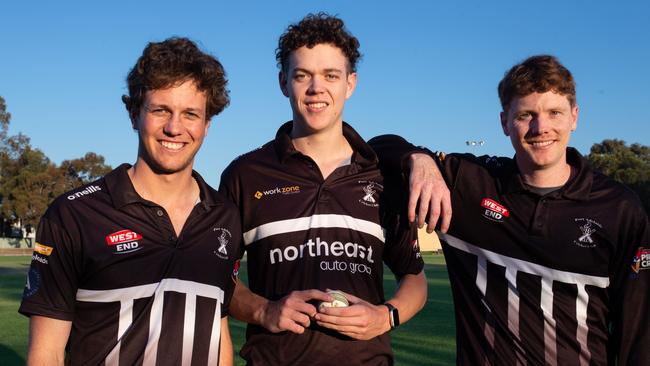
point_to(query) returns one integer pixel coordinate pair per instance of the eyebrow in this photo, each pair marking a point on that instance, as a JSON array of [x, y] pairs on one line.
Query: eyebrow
[[329, 70], [156, 105]]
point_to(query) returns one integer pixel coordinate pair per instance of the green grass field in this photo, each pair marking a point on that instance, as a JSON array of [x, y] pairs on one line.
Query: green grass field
[[428, 339]]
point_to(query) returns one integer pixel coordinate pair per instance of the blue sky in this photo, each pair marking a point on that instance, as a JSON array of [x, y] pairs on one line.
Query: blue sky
[[429, 69]]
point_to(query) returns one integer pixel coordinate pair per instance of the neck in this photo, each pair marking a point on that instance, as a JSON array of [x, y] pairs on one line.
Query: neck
[[329, 149], [163, 189], [546, 178]]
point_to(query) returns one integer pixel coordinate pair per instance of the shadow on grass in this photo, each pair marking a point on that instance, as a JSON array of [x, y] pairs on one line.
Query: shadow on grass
[[9, 357]]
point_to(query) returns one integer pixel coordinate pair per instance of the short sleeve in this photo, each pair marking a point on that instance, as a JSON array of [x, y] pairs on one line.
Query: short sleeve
[[51, 284]]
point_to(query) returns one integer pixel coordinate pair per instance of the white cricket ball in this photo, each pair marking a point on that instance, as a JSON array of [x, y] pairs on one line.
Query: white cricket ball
[[340, 301]]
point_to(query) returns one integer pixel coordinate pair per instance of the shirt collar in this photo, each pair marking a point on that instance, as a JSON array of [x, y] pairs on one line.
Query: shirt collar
[[577, 187], [363, 154], [122, 192]]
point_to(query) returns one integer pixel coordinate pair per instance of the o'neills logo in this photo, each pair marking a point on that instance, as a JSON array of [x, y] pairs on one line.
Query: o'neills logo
[[493, 210], [124, 241], [87, 191]]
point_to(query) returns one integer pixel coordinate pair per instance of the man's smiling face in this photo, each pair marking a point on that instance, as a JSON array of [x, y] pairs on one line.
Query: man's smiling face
[[539, 126], [317, 83], [171, 127]]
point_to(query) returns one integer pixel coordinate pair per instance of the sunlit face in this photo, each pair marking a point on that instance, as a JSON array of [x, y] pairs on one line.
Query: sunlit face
[[171, 127], [317, 84], [539, 126]]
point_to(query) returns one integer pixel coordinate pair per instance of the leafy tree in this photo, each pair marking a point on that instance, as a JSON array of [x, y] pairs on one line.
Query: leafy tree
[[83, 170], [627, 164], [29, 181]]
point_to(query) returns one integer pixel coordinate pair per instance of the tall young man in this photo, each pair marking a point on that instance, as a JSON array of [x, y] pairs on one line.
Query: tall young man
[[545, 256], [317, 215], [136, 268]]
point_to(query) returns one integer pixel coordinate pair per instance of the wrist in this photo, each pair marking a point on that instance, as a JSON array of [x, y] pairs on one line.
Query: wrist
[[259, 315], [393, 315]]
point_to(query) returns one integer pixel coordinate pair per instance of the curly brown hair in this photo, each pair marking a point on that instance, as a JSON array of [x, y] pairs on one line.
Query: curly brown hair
[[173, 61], [316, 29], [537, 74]]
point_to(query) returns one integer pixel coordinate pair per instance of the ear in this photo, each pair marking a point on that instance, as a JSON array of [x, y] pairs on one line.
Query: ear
[[574, 117], [351, 84], [504, 123], [207, 126], [282, 79], [134, 121]]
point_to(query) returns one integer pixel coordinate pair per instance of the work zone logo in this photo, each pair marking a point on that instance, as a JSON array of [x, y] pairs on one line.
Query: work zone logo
[[124, 241], [87, 191], [276, 190], [371, 192], [493, 210], [641, 260]]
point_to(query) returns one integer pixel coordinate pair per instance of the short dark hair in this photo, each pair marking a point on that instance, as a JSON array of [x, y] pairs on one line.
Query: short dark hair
[[173, 61], [539, 74], [316, 29]]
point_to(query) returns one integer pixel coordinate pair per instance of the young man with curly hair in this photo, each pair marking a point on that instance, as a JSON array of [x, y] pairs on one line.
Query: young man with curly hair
[[137, 267], [549, 261], [318, 215]]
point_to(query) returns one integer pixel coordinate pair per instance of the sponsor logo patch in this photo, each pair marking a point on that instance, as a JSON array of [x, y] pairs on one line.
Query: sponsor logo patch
[[235, 271], [223, 237], [124, 241], [588, 227], [33, 282], [87, 191], [641, 260], [43, 249], [277, 190], [371, 192], [493, 210], [38, 258]]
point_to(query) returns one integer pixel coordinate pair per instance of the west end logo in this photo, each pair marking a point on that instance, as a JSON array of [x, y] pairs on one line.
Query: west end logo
[[588, 227], [124, 241], [370, 193], [282, 190], [493, 210], [223, 237]]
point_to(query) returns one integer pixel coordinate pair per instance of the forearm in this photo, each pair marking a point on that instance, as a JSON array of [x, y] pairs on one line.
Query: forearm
[[247, 306], [47, 340], [410, 296], [226, 352]]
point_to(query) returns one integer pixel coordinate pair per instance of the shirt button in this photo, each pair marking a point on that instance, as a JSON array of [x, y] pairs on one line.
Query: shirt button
[[172, 238], [160, 213]]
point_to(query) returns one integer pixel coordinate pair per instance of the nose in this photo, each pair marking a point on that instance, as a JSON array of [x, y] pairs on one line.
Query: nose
[[174, 125], [540, 124], [316, 85]]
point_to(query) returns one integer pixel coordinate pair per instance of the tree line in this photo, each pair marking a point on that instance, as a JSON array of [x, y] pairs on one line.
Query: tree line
[[29, 180]]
